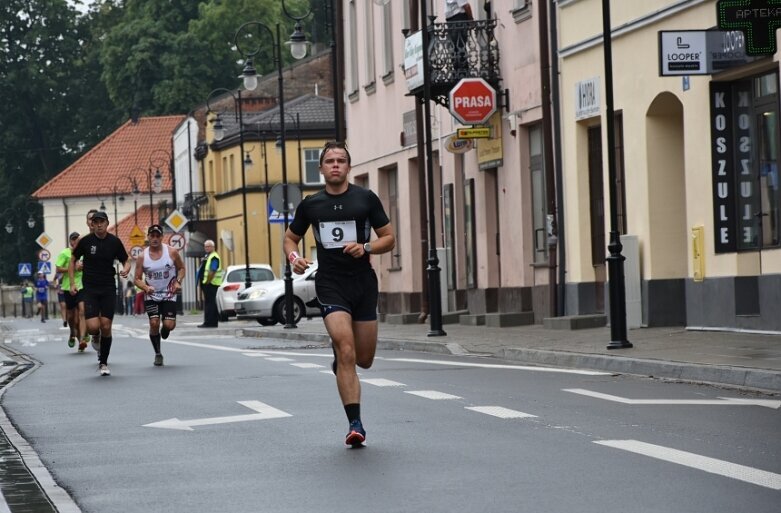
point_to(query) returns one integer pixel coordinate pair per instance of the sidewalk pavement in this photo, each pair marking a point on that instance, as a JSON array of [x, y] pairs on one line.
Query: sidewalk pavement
[[731, 359]]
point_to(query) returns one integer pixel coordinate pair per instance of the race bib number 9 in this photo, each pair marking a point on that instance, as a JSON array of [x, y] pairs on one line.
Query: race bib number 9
[[337, 234]]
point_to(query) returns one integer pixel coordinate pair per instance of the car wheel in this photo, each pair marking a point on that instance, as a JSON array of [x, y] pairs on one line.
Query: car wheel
[[279, 310], [223, 316], [266, 321]]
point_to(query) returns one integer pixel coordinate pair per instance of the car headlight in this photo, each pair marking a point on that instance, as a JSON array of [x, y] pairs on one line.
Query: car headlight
[[255, 294]]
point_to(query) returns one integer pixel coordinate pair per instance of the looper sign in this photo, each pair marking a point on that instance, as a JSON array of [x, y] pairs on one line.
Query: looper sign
[[472, 101]]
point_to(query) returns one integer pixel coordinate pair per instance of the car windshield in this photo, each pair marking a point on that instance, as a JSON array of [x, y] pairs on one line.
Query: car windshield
[[255, 274]]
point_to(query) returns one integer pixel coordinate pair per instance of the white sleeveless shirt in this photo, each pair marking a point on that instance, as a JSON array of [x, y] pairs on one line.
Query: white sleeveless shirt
[[160, 274]]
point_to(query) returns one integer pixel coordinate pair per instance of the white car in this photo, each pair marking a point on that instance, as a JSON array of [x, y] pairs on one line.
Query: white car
[[233, 283], [266, 301]]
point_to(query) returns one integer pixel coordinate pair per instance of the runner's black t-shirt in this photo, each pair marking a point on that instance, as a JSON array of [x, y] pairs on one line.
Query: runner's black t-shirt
[[99, 255], [338, 220]]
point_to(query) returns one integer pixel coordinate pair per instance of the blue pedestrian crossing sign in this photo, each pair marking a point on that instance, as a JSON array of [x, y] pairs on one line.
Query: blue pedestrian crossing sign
[[26, 269], [45, 267], [277, 217]]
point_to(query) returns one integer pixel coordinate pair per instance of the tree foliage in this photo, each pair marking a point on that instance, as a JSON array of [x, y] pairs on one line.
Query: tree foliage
[[70, 77]]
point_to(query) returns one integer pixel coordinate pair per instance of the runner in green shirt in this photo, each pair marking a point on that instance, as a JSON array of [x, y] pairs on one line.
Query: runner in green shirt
[[73, 304]]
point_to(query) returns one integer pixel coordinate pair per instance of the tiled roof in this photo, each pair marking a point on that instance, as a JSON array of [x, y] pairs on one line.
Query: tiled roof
[[126, 152], [314, 112]]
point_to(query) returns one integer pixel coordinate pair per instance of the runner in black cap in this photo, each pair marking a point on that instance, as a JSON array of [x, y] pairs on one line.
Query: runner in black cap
[[100, 249]]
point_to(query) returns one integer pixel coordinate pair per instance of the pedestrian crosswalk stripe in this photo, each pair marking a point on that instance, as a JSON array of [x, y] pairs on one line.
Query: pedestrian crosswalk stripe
[[279, 359], [432, 394], [381, 382], [307, 365], [688, 459], [501, 412]]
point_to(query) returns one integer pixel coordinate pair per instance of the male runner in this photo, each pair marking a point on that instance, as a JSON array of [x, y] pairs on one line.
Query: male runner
[[99, 250], [78, 330], [342, 217], [159, 273]]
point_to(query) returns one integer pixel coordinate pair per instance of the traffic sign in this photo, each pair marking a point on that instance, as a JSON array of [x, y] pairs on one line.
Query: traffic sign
[[176, 221], [136, 251], [275, 217], [757, 19], [45, 267], [43, 240], [137, 237], [25, 269], [472, 101], [44, 255], [176, 241]]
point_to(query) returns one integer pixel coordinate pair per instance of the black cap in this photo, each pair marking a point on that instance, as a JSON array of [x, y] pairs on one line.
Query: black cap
[[155, 228], [100, 215], [73, 235]]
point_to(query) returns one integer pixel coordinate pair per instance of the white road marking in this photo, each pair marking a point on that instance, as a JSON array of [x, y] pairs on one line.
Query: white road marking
[[704, 463], [499, 366], [432, 394], [279, 359], [382, 382], [264, 412], [721, 401], [255, 355], [306, 365], [501, 412]]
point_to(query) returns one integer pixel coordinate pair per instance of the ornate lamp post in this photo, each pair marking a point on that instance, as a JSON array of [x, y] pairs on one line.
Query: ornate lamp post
[[247, 40], [219, 134]]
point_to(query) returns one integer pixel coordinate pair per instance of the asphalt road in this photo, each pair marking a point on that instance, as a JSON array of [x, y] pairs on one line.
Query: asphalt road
[[260, 428]]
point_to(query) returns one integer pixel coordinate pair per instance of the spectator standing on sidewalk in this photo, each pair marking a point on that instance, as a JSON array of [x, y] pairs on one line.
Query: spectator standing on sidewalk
[[210, 280], [159, 273], [342, 217], [28, 293], [100, 250]]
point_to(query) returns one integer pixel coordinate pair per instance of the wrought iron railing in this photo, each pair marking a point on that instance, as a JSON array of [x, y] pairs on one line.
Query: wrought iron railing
[[462, 49], [199, 206]]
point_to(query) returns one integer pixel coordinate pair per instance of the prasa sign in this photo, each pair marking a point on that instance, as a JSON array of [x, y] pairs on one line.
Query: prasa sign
[[472, 101]]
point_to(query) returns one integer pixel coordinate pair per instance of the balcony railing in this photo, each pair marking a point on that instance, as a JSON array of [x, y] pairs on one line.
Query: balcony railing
[[199, 206], [461, 49]]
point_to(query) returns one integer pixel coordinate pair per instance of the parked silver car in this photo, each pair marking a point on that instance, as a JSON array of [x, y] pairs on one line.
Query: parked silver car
[[233, 283], [266, 301]]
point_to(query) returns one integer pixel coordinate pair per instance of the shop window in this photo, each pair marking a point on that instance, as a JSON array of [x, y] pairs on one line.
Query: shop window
[[745, 134]]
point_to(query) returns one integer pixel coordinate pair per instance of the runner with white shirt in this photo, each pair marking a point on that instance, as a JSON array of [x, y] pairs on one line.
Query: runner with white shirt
[[159, 273]]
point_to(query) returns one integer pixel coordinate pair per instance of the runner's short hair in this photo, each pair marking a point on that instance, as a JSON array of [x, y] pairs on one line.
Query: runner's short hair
[[329, 145]]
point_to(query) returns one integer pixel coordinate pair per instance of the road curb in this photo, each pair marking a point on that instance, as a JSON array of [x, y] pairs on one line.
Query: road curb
[[757, 379]]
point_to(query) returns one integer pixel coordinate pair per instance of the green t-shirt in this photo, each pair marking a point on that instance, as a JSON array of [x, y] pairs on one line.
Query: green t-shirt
[[62, 261]]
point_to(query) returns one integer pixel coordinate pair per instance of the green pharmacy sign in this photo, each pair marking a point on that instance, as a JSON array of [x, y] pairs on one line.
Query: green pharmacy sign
[[757, 19]]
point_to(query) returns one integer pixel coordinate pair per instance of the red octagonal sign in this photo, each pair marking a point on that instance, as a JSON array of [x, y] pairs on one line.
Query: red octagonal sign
[[472, 101]]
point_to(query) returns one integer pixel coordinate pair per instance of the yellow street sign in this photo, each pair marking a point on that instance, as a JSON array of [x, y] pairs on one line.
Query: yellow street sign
[[482, 132], [43, 240], [176, 221], [137, 237]]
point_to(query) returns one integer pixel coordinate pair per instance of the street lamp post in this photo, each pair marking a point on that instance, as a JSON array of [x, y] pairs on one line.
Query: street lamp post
[[135, 192], [615, 262], [219, 134], [434, 295], [298, 48]]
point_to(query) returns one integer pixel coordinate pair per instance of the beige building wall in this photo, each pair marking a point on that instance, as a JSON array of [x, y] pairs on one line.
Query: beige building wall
[[666, 155]]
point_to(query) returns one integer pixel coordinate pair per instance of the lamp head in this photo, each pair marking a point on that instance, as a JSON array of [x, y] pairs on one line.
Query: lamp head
[[9, 227], [219, 129], [250, 76], [157, 182], [297, 42]]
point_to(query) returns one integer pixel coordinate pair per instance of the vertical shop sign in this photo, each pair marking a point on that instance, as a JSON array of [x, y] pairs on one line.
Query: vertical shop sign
[[723, 170], [747, 229]]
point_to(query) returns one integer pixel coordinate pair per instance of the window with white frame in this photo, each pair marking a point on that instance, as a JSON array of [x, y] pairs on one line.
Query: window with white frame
[[539, 204], [369, 69], [312, 166], [387, 42], [353, 75]]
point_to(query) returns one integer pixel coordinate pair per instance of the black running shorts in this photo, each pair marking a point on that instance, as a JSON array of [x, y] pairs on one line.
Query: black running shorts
[[99, 302], [72, 300], [165, 308], [355, 294]]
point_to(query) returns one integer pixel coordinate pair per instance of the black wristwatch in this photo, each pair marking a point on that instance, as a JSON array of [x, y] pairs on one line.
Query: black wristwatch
[[367, 247]]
